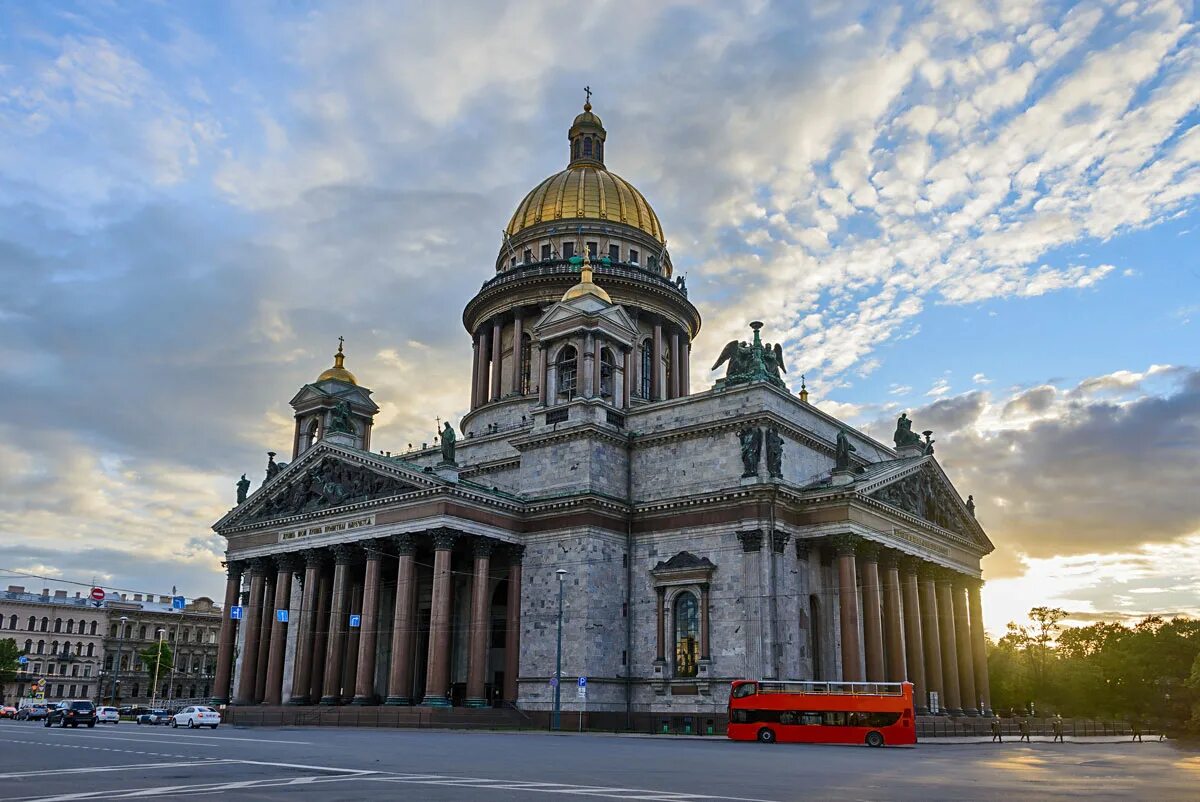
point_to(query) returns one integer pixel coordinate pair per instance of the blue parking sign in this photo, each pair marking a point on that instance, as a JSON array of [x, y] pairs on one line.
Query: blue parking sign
[[281, 616], [583, 682], [356, 620], [235, 612]]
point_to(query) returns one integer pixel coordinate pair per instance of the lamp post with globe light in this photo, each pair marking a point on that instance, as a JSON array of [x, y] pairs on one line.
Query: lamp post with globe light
[[116, 675], [557, 722], [157, 663]]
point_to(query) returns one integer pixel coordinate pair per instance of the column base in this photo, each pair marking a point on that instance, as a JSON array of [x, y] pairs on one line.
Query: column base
[[435, 701], [298, 700], [971, 712], [954, 712], [921, 710], [398, 701], [365, 700], [330, 701], [217, 701], [476, 701]]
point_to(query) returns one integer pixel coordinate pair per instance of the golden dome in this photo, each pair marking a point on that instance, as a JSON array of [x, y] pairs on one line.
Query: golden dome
[[338, 372], [586, 286], [586, 190]]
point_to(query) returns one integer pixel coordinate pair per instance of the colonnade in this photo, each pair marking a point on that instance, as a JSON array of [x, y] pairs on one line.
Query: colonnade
[[334, 662], [920, 622], [670, 360]]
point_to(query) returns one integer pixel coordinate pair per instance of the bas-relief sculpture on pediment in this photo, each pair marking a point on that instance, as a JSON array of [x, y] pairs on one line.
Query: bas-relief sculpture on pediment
[[923, 495], [328, 483]]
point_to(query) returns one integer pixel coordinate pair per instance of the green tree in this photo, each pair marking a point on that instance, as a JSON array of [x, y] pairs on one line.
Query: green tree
[[9, 652], [160, 651]]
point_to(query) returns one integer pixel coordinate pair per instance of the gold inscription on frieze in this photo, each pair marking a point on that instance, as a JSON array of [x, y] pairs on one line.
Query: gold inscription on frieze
[[341, 526]]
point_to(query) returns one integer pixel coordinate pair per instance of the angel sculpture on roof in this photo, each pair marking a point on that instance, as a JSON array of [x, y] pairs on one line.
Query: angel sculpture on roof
[[751, 362]]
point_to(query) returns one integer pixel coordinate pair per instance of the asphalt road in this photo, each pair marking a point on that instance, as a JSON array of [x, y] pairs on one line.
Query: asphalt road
[[127, 761]]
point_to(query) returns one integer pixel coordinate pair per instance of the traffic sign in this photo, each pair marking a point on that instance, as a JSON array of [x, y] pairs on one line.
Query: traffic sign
[[356, 620], [581, 689], [235, 612], [281, 616], [177, 603], [583, 682], [22, 660], [97, 594]]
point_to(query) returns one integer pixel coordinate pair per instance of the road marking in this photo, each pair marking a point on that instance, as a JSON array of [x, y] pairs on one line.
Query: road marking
[[346, 775], [102, 749], [557, 788], [99, 769], [158, 736]]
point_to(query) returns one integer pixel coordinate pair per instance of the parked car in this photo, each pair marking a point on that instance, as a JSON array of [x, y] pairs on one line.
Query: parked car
[[196, 716], [107, 715], [8, 711], [153, 717], [33, 713], [72, 712]]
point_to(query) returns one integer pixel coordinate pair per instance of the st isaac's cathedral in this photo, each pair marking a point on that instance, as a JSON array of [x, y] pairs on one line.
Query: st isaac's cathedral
[[695, 538]]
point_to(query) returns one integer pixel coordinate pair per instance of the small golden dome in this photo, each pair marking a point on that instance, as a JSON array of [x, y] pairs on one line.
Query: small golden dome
[[338, 372], [586, 286]]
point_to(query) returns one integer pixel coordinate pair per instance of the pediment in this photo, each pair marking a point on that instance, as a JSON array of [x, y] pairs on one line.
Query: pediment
[[925, 491], [586, 308], [325, 393], [322, 479]]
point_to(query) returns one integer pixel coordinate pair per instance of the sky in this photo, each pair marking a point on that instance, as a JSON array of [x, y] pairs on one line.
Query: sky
[[981, 213]]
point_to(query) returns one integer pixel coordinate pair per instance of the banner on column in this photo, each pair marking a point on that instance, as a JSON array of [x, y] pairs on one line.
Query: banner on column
[[235, 613], [356, 620]]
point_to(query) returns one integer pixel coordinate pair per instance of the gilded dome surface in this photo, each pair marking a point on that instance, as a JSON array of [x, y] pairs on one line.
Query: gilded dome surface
[[338, 372], [586, 192]]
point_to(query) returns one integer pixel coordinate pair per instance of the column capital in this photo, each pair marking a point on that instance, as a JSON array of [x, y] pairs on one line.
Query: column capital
[[259, 566], [405, 545], [443, 538], [291, 562], [868, 550], [483, 547], [844, 544], [929, 572], [346, 553], [779, 540], [373, 548], [315, 558], [965, 581], [751, 539], [945, 576], [516, 553], [234, 568], [889, 559]]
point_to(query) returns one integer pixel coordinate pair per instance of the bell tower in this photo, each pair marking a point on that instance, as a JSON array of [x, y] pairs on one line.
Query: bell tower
[[335, 408]]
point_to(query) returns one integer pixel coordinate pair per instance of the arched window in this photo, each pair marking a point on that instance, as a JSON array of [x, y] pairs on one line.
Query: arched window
[[312, 434], [54, 647], [647, 369], [58, 625], [32, 623], [814, 636], [12, 622], [79, 649], [587, 146], [91, 650], [575, 150], [45, 624], [70, 625], [526, 363], [92, 629], [687, 634], [135, 689], [606, 373], [28, 646], [565, 370], [142, 632]]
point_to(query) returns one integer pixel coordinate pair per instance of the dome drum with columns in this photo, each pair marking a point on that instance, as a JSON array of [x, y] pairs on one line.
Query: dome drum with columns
[[733, 531]]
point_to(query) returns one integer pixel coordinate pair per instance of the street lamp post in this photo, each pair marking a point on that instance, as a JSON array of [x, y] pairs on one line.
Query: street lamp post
[[157, 663], [116, 676], [557, 722]]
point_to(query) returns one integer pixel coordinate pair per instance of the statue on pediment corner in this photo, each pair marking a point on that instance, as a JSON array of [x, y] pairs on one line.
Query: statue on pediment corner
[[904, 435], [243, 489], [841, 457], [448, 443]]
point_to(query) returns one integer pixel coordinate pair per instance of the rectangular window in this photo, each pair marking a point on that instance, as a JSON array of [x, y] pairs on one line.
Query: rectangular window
[[568, 250], [624, 609], [614, 253], [593, 250], [528, 255], [546, 252], [512, 262], [633, 256], [624, 657], [72, 693]]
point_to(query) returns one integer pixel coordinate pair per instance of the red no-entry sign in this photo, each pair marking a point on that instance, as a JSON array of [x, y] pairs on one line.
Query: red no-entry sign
[[97, 594]]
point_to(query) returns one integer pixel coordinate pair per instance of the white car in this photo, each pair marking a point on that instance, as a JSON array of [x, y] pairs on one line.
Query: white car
[[107, 715], [196, 716]]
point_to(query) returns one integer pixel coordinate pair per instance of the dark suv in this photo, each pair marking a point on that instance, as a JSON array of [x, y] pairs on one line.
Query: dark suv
[[72, 712]]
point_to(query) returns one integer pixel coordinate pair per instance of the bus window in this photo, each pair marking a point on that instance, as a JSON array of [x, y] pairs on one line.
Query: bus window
[[881, 719], [744, 690], [810, 718], [832, 719]]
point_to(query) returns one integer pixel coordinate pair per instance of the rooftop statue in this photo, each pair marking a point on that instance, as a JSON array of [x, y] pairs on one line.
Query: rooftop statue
[[751, 439], [339, 419], [243, 487], [752, 362], [904, 435], [842, 454], [448, 441]]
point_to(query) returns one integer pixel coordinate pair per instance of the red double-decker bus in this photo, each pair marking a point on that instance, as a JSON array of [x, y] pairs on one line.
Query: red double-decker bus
[[874, 713]]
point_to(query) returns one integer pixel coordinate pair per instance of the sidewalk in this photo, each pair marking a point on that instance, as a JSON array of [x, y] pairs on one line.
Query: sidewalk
[[1036, 739]]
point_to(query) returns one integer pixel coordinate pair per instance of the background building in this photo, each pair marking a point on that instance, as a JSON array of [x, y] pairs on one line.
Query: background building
[[61, 635]]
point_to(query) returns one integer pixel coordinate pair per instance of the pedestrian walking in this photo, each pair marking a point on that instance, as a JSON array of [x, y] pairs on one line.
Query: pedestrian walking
[[1024, 727], [997, 736], [1137, 732], [1058, 730]]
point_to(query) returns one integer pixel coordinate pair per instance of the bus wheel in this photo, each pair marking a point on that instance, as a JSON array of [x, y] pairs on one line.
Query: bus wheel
[[766, 735], [874, 739]]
